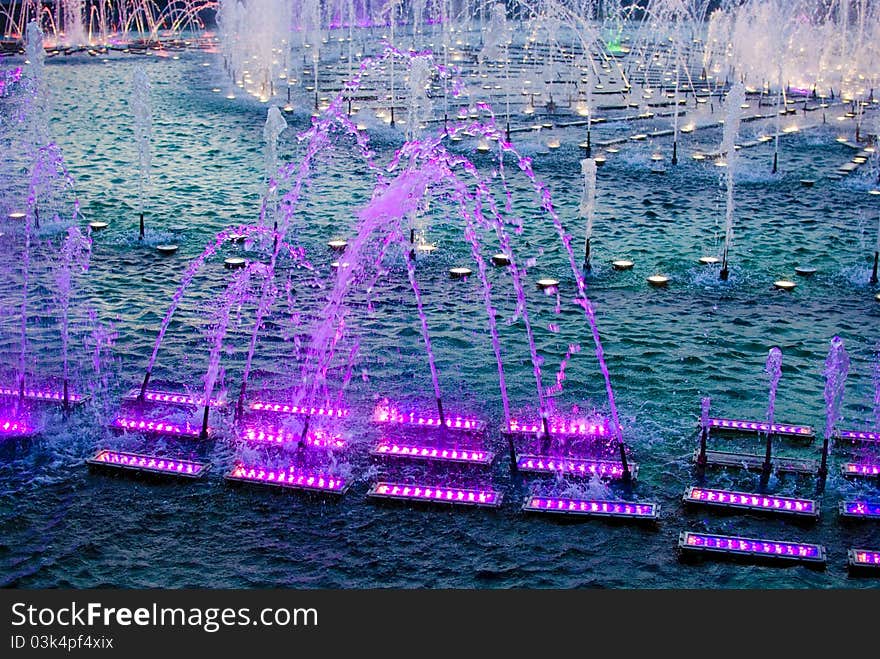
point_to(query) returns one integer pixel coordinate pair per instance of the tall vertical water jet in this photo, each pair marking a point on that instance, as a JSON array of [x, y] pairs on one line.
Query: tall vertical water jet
[[874, 273], [274, 126], [735, 99], [143, 129], [420, 73], [773, 368], [37, 129], [588, 205], [836, 370], [74, 255], [705, 405]]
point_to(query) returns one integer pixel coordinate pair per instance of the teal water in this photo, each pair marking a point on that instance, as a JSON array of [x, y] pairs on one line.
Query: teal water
[[62, 526]]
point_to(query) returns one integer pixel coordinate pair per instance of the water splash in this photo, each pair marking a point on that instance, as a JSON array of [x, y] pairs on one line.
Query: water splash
[[143, 129], [773, 368]]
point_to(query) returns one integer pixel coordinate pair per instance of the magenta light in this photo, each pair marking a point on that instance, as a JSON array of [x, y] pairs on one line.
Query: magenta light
[[157, 427], [289, 477], [860, 509], [864, 558], [151, 463], [761, 426], [860, 435], [747, 501], [46, 395], [583, 467], [592, 507], [385, 414], [736, 546], [854, 469], [560, 427], [314, 438], [393, 449], [437, 494], [286, 408], [13, 427], [172, 398]]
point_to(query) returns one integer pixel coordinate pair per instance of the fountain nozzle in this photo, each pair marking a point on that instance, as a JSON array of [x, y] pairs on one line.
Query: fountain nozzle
[[874, 278], [141, 229]]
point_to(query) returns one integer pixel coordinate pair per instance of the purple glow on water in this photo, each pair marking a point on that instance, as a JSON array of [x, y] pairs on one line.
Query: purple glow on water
[[583, 467], [860, 435], [751, 501], [385, 414], [303, 410], [761, 426], [314, 438], [391, 448], [751, 546], [855, 469], [864, 557], [596, 507], [148, 463], [437, 494], [173, 398], [43, 395], [292, 477], [157, 427], [9, 78], [865, 509], [562, 427], [13, 427]]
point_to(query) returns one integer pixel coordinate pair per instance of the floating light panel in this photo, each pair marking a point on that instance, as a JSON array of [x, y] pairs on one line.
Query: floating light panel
[[44, 395], [756, 462], [864, 558], [148, 463], [560, 427], [860, 509], [856, 470], [747, 501], [290, 477], [172, 398], [157, 427], [582, 467], [738, 425], [860, 435], [392, 449], [11, 427], [314, 438], [303, 410], [709, 543], [390, 415], [484, 497], [592, 507]]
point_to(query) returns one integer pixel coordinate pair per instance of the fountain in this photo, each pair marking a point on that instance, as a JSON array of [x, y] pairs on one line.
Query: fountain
[[143, 130], [836, 370], [773, 368], [588, 205], [735, 98]]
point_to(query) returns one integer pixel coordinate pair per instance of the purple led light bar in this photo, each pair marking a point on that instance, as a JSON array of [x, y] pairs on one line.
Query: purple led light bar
[[739, 425], [592, 507], [392, 449], [484, 497], [856, 470], [290, 477], [44, 395], [736, 546], [157, 427], [747, 501], [864, 558], [560, 427], [583, 467], [172, 398], [303, 410], [150, 463], [314, 438], [860, 435], [390, 415], [10, 427], [860, 509]]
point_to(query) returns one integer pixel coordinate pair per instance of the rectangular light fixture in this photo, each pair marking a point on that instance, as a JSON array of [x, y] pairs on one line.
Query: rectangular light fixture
[[753, 462], [709, 543], [301, 410], [288, 477], [748, 501], [157, 427], [384, 414], [592, 507], [860, 470], [581, 467], [560, 427], [741, 425], [859, 435], [388, 448], [172, 398], [860, 509], [43, 395], [148, 463], [314, 438], [483, 497], [864, 559]]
